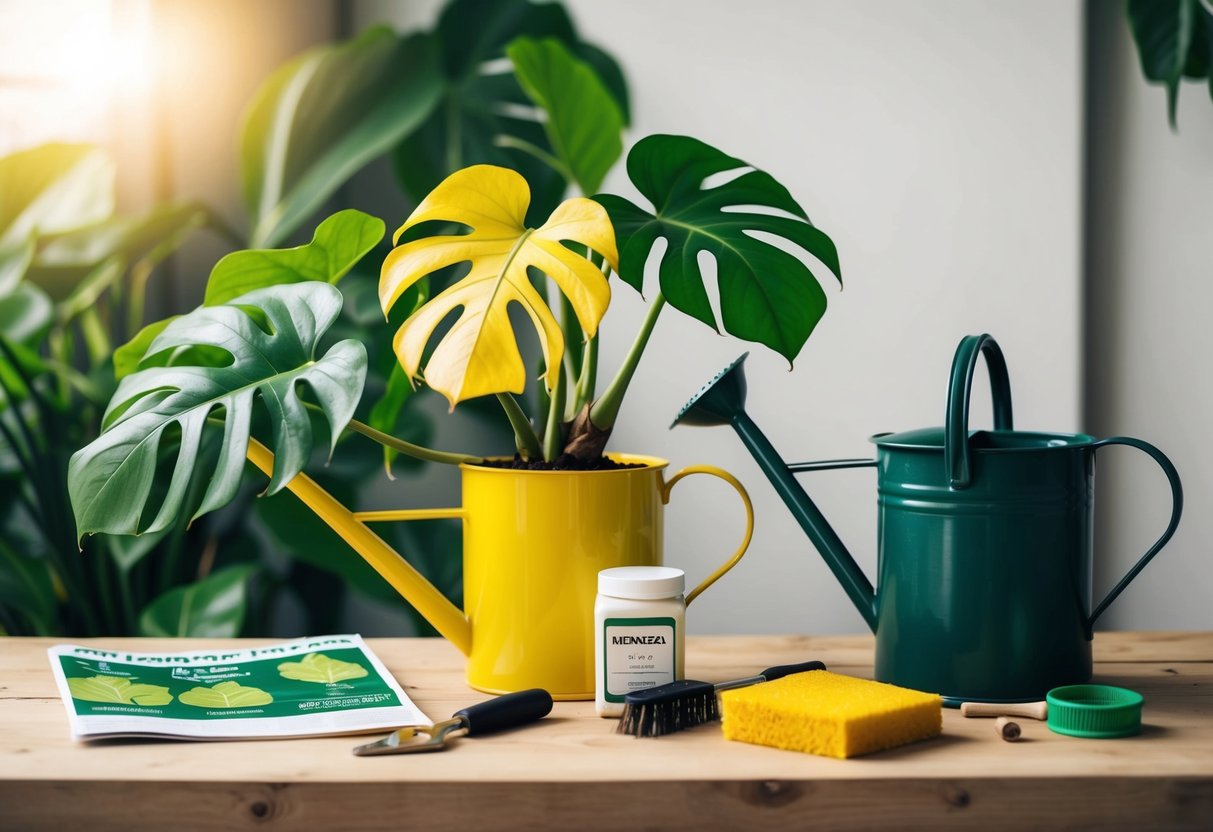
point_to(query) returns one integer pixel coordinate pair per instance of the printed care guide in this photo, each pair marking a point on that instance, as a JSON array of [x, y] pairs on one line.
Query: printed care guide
[[309, 687]]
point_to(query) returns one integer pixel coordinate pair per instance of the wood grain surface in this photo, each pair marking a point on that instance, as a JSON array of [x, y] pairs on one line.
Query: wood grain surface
[[572, 772]]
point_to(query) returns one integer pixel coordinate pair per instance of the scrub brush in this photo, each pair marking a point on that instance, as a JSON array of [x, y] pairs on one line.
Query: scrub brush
[[677, 706]]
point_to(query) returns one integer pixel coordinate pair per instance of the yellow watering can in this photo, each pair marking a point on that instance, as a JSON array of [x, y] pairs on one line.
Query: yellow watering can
[[533, 544]]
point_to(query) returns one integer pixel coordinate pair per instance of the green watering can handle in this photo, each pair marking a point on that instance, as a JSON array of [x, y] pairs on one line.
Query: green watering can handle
[[956, 454], [1177, 507]]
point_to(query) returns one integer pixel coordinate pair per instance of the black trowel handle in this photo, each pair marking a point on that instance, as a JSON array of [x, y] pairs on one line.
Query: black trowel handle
[[508, 711], [773, 673]]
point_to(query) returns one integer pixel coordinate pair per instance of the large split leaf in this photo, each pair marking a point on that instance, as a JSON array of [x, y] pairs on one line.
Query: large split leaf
[[225, 695], [317, 667], [118, 690], [583, 121], [323, 116], [479, 354], [339, 242], [1174, 41], [483, 116], [213, 607], [110, 479], [53, 188], [766, 294]]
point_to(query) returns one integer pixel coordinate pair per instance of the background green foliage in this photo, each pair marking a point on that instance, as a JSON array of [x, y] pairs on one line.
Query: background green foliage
[[73, 280], [1174, 41]]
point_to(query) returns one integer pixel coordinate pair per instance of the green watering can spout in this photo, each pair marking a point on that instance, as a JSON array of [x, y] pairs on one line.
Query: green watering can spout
[[722, 402]]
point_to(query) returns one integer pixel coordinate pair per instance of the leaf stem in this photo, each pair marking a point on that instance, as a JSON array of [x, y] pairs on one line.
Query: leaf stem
[[515, 143], [525, 438], [553, 434], [587, 380], [606, 409], [408, 448]]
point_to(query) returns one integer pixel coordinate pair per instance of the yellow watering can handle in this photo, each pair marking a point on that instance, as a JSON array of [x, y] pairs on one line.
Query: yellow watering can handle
[[749, 519]]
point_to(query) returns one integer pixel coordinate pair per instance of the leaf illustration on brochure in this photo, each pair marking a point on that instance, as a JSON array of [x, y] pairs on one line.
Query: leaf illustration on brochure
[[317, 667], [225, 695], [119, 691]]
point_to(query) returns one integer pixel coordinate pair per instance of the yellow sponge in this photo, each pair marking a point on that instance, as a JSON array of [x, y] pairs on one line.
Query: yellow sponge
[[828, 714]]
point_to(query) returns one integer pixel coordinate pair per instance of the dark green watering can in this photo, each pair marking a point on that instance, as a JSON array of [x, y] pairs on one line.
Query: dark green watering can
[[984, 540]]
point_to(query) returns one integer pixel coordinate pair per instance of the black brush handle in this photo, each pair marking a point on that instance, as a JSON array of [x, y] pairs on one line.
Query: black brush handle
[[773, 673], [508, 711]]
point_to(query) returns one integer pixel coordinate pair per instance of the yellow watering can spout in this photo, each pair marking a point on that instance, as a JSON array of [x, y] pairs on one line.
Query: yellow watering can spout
[[445, 617]]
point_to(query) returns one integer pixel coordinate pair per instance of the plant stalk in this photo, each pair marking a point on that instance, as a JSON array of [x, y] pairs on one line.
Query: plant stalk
[[606, 409], [525, 438], [515, 143], [553, 434], [587, 379], [408, 448]]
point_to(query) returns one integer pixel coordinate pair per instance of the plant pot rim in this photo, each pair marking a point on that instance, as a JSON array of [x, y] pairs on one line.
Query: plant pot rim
[[649, 463]]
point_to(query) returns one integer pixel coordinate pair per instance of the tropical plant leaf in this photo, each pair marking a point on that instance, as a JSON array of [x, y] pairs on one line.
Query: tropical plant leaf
[[128, 356], [479, 354], [1174, 39], [339, 242], [766, 294], [227, 694], [111, 478], [212, 607], [52, 188], [118, 690], [317, 667], [25, 314], [153, 234], [583, 121], [323, 116], [484, 116]]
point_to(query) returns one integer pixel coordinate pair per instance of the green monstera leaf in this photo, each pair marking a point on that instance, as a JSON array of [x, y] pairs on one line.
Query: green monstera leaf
[[225, 695], [317, 667], [323, 116], [1174, 41], [118, 690], [213, 607], [338, 244], [483, 116], [766, 294], [584, 123], [269, 356]]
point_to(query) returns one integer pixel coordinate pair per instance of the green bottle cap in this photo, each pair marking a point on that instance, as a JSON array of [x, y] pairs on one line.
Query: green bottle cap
[[1094, 711]]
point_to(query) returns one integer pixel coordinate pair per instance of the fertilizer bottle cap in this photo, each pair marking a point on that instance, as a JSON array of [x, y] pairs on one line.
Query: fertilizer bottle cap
[[644, 583], [1094, 711]]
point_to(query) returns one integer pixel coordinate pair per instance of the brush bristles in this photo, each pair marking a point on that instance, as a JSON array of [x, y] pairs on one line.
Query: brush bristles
[[668, 709]]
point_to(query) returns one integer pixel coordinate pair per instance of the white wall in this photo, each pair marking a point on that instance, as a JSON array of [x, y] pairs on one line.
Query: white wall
[[1150, 240], [939, 144]]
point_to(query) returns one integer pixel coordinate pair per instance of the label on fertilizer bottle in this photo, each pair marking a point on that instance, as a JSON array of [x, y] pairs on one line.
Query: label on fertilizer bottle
[[638, 653]]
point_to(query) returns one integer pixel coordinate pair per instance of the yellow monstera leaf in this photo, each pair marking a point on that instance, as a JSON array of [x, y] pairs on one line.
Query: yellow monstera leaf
[[479, 354]]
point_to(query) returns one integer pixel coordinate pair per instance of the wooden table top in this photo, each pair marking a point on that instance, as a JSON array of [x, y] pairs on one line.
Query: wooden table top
[[572, 771]]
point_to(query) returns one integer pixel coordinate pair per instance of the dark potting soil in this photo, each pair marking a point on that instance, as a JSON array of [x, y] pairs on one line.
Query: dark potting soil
[[564, 462]]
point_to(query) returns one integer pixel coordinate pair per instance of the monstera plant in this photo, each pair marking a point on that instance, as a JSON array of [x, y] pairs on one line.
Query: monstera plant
[[205, 370], [495, 242]]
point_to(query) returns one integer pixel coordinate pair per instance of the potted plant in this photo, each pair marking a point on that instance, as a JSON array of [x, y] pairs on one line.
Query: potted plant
[[537, 526]]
